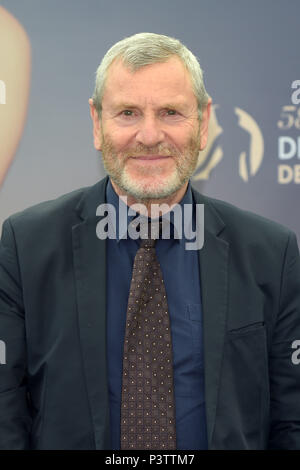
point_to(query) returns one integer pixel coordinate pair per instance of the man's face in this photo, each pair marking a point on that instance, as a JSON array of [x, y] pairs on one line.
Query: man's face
[[149, 132]]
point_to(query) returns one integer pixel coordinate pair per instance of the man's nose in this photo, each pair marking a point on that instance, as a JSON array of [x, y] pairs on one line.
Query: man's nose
[[150, 131]]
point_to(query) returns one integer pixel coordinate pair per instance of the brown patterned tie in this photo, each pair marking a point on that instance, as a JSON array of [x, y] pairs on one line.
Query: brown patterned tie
[[148, 405]]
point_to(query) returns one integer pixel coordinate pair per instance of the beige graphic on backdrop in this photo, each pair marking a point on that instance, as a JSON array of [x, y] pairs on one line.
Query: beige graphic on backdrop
[[205, 159], [208, 160], [256, 148], [15, 70]]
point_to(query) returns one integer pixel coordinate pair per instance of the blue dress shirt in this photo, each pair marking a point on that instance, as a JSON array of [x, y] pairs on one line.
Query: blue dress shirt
[[180, 269]]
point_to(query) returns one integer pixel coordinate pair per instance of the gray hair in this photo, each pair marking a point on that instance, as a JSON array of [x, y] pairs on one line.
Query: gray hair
[[143, 49]]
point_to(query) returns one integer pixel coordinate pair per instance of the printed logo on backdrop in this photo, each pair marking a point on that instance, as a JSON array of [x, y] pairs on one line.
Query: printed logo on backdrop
[[289, 139], [15, 61], [249, 160]]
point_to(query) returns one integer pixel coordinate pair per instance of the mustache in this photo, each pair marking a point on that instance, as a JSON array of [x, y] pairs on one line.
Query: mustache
[[163, 150]]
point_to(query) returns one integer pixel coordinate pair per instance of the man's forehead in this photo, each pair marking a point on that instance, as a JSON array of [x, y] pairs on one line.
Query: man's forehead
[[119, 71], [169, 80]]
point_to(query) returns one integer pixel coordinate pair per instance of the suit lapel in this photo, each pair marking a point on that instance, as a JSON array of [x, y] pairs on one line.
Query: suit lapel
[[213, 260], [89, 255]]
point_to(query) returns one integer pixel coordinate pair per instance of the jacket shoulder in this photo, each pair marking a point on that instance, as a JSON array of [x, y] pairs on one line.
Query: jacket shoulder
[[245, 225], [60, 207]]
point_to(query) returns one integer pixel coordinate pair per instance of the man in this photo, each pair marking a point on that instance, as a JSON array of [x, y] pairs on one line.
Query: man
[[230, 310]]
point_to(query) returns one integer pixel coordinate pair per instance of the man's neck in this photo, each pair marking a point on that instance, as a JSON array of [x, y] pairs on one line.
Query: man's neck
[[149, 207]]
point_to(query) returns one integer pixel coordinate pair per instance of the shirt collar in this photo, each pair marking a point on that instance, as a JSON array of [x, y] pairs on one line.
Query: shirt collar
[[120, 207]]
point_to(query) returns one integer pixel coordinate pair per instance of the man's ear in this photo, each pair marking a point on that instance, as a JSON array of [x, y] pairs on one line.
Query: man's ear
[[204, 125], [97, 132]]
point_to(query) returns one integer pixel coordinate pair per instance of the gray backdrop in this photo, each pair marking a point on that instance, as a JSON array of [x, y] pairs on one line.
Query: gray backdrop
[[249, 51]]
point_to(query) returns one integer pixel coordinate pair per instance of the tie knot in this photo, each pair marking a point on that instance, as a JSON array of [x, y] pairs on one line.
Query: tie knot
[[149, 233]]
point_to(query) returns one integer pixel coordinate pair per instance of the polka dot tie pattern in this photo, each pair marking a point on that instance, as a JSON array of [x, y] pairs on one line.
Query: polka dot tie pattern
[[147, 405]]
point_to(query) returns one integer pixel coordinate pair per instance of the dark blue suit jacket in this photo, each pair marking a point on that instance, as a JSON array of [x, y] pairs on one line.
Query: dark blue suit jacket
[[53, 387]]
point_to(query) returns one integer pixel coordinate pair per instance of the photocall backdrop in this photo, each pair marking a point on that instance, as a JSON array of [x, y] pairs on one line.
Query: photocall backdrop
[[249, 51]]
